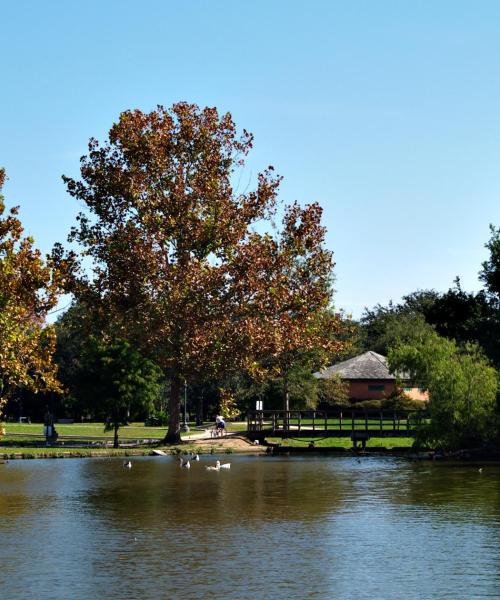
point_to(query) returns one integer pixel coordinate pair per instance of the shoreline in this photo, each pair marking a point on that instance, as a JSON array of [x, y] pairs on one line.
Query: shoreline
[[233, 444]]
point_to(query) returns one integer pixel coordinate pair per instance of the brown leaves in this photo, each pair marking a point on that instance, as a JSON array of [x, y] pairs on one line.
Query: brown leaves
[[176, 257], [28, 290]]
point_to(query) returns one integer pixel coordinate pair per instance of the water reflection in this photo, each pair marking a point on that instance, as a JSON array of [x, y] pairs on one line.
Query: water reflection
[[260, 489], [270, 526]]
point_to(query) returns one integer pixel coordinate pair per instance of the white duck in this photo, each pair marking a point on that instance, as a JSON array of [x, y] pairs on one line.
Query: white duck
[[184, 463], [127, 465], [224, 466]]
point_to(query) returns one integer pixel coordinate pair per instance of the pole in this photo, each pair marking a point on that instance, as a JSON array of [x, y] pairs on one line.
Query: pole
[[185, 426]]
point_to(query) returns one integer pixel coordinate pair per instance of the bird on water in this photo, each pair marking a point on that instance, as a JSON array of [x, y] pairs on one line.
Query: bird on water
[[184, 463]]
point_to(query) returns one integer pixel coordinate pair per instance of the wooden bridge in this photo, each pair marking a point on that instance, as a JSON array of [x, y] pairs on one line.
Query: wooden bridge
[[359, 425]]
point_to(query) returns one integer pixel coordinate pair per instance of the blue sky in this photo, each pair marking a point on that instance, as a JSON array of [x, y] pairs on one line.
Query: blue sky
[[387, 113]]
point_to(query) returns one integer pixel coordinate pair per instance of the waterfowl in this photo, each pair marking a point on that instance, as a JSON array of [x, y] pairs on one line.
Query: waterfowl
[[127, 464], [185, 462], [224, 466]]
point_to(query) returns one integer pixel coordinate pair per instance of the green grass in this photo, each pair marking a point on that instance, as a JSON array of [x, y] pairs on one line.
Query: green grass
[[134, 430], [387, 443]]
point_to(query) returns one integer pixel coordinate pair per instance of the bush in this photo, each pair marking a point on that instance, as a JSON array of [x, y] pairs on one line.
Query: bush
[[398, 400], [368, 405], [158, 418]]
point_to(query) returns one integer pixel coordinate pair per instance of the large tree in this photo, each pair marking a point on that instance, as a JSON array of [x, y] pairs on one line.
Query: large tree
[[28, 291], [181, 260], [462, 388]]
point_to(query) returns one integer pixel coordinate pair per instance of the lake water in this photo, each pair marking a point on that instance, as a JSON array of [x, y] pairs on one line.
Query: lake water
[[270, 527]]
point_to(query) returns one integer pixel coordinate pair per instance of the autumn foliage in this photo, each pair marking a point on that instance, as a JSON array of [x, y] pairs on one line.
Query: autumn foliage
[[28, 290], [178, 260]]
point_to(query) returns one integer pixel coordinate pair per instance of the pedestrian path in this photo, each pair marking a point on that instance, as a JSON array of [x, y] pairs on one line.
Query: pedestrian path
[[205, 435]]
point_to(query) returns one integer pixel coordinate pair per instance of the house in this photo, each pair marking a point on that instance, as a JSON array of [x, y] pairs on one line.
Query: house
[[369, 378]]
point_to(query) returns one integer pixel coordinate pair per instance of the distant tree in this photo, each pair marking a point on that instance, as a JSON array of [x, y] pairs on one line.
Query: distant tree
[[467, 317], [490, 273], [383, 327], [333, 391], [462, 389], [74, 328], [118, 381], [28, 291], [178, 264]]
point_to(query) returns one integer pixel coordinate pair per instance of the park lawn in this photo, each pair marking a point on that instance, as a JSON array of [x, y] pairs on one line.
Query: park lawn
[[87, 430], [134, 430], [387, 443]]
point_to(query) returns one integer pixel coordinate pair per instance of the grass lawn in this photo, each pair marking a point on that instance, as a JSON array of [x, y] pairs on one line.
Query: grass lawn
[[388, 443], [134, 430]]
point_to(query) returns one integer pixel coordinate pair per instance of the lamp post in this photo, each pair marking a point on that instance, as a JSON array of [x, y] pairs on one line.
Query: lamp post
[[185, 426]]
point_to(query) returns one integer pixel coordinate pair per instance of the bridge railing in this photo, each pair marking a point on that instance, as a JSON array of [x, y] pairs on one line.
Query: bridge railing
[[321, 422]]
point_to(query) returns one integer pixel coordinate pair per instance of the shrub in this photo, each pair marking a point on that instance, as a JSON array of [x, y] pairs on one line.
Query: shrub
[[368, 405]]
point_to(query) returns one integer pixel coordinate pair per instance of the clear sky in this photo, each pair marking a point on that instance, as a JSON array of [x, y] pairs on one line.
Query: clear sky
[[385, 112]]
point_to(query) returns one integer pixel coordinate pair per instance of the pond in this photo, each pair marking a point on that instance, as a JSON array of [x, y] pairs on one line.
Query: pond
[[268, 527]]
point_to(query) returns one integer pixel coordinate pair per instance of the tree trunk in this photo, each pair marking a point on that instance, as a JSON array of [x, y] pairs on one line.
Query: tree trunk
[[199, 409], [115, 439], [174, 431]]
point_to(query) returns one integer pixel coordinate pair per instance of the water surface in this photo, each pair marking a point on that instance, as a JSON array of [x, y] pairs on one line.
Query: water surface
[[270, 527]]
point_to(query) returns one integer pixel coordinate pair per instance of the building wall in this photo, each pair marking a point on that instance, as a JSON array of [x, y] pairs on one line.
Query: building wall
[[415, 393], [373, 389], [363, 389]]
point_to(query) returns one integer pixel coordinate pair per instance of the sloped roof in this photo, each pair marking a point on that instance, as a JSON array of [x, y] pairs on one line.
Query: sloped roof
[[369, 365]]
